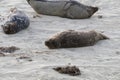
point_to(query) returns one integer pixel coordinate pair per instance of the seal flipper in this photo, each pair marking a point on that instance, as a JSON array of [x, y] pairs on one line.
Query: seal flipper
[[102, 37]]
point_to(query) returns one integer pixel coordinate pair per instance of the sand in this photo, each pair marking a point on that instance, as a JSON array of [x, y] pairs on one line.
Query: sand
[[98, 62]]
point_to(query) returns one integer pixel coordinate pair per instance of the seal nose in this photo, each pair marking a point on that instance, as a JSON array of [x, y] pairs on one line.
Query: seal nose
[[47, 43], [6, 28], [95, 9]]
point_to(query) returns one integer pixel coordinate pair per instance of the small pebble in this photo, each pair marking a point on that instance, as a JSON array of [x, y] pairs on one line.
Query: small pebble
[[100, 16]]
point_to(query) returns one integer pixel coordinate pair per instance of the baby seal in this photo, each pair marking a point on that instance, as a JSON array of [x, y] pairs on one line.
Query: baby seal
[[71, 38], [67, 9], [16, 21]]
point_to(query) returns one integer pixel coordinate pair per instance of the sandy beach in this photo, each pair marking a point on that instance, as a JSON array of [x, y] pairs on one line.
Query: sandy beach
[[98, 62]]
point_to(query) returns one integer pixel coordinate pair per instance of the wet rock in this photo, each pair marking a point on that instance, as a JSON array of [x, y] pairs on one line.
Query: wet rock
[[24, 58], [71, 70], [9, 49]]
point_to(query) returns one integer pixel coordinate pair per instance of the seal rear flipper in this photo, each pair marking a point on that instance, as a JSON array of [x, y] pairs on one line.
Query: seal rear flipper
[[103, 36]]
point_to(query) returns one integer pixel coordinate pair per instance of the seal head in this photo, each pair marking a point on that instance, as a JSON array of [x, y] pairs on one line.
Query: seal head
[[95, 9], [9, 28], [52, 44]]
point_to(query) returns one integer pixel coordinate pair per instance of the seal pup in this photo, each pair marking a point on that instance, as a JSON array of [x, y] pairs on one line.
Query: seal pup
[[67, 9], [16, 21], [72, 38]]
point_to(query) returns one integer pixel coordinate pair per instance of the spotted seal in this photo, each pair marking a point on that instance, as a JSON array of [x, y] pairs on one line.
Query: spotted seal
[[16, 21], [67, 9], [72, 38]]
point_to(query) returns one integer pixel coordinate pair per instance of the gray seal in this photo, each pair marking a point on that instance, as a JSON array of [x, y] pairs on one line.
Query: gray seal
[[72, 38], [16, 21], [67, 9]]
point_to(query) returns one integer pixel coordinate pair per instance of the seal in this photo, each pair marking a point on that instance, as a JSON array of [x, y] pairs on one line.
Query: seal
[[72, 38], [16, 21], [67, 9]]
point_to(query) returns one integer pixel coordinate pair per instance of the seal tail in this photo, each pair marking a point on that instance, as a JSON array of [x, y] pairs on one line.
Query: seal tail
[[103, 37]]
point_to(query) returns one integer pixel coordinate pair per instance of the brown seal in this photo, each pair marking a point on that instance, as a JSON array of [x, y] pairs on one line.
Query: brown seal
[[71, 38]]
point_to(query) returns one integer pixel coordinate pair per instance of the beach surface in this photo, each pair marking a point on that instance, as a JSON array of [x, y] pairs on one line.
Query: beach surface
[[98, 62]]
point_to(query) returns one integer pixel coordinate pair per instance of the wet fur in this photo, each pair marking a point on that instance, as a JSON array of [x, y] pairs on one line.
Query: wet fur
[[71, 38]]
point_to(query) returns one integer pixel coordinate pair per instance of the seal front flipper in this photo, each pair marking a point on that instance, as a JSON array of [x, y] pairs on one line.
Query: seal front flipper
[[103, 36]]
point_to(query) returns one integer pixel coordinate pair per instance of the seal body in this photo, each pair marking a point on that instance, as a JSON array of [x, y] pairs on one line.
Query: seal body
[[68, 9], [16, 21], [71, 38]]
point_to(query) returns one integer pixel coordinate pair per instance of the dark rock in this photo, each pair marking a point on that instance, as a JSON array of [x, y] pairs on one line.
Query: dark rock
[[71, 70]]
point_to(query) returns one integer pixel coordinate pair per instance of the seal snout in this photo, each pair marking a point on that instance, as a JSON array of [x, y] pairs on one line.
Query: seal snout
[[8, 28], [51, 44], [95, 9], [47, 43], [5, 27]]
